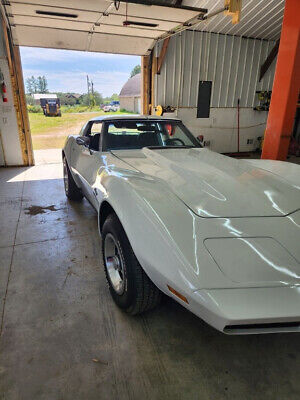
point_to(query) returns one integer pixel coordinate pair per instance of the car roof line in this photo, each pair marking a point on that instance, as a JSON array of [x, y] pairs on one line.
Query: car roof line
[[133, 116]]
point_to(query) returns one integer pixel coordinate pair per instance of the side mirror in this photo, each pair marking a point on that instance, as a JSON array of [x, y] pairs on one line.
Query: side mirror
[[83, 141]]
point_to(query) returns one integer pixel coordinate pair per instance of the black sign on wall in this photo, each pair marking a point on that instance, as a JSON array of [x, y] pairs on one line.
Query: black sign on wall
[[204, 95]]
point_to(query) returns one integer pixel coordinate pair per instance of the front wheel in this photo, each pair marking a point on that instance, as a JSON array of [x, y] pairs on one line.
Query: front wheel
[[72, 190], [130, 287]]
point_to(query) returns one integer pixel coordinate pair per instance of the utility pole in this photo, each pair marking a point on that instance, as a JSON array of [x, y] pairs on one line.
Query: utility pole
[[92, 96], [88, 88]]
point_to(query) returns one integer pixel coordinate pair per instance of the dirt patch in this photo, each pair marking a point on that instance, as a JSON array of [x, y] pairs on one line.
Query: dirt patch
[[35, 210]]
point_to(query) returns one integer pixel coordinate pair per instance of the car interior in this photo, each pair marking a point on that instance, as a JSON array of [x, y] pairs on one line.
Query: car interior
[[138, 134], [131, 134]]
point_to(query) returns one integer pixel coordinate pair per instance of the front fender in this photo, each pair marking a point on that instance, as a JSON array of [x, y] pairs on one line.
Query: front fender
[[67, 149], [160, 229]]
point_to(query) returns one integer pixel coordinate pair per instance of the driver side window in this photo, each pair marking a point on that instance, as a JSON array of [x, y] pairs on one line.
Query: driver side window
[[94, 133], [96, 128]]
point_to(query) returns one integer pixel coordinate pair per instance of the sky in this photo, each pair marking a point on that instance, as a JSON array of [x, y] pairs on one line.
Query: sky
[[66, 70]]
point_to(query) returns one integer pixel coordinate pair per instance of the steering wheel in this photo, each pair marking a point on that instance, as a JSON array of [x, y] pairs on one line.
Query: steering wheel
[[170, 141]]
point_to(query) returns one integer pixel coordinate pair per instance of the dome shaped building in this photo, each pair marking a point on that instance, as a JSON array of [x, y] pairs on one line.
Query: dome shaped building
[[130, 95]]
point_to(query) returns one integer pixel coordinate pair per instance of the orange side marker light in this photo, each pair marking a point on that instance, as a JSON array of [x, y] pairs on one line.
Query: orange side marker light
[[181, 296]]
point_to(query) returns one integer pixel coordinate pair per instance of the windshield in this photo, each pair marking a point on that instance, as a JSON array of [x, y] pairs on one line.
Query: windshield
[[136, 134]]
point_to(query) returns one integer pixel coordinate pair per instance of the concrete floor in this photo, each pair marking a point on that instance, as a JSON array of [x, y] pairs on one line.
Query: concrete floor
[[63, 338], [47, 156]]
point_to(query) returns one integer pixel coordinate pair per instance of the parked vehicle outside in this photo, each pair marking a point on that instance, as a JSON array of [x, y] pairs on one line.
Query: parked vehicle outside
[[113, 106], [51, 107]]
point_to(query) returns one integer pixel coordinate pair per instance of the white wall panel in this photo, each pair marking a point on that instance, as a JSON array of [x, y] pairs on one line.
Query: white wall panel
[[232, 63], [221, 128], [8, 123]]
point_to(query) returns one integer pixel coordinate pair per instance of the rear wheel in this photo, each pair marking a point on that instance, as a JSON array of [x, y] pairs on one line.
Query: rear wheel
[[72, 190], [130, 287]]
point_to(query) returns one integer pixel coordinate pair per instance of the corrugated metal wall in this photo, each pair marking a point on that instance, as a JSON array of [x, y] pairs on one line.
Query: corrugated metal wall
[[232, 63]]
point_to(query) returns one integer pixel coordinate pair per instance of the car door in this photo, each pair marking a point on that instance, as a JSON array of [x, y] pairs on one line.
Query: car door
[[87, 160]]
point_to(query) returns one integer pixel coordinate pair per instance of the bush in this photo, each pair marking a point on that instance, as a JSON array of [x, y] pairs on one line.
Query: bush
[[30, 100], [34, 109]]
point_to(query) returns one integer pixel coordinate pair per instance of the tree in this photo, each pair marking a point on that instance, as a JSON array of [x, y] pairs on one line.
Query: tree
[[42, 84], [66, 99], [93, 100], [136, 70], [31, 85], [107, 100], [37, 85], [114, 96]]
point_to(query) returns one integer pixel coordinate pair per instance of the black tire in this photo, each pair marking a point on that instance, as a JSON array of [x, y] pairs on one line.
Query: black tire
[[139, 293], [72, 190]]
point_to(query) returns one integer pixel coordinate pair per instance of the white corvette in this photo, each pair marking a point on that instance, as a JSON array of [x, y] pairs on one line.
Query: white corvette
[[219, 235]]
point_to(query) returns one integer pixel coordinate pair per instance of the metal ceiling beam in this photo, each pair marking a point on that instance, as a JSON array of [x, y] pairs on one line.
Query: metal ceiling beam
[[192, 22]]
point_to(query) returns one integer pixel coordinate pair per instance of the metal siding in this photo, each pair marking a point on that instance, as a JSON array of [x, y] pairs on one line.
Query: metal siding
[[232, 63], [259, 18]]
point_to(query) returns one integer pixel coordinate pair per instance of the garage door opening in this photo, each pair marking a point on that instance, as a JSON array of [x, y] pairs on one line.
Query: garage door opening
[[65, 88]]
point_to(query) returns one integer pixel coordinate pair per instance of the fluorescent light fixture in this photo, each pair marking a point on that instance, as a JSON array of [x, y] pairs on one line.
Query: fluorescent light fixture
[[56, 14], [137, 23]]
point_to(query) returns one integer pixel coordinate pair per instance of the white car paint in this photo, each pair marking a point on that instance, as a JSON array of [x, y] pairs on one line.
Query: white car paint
[[222, 232], [113, 108]]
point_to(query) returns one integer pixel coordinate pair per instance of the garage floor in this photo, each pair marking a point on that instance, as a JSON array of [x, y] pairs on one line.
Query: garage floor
[[63, 338]]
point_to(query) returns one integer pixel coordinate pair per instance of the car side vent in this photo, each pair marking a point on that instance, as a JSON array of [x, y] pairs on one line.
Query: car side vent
[[272, 327]]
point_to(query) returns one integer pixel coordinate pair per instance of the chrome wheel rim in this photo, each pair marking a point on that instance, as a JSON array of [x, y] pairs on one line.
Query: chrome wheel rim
[[66, 182], [114, 264]]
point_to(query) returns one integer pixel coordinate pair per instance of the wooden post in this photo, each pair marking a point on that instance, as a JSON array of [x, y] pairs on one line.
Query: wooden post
[[19, 98], [271, 57], [145, 84], [23, 105], [153, 72], [162, 54]]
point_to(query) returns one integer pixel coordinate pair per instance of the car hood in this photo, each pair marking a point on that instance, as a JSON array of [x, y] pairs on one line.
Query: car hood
[[213, 185]]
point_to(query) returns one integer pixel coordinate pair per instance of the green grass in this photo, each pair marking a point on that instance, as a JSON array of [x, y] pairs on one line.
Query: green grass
[[51, 132], [39, 124], [78, 109]]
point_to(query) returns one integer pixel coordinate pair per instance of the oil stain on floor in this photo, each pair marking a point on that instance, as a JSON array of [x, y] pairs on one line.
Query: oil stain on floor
[[35, 210]]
